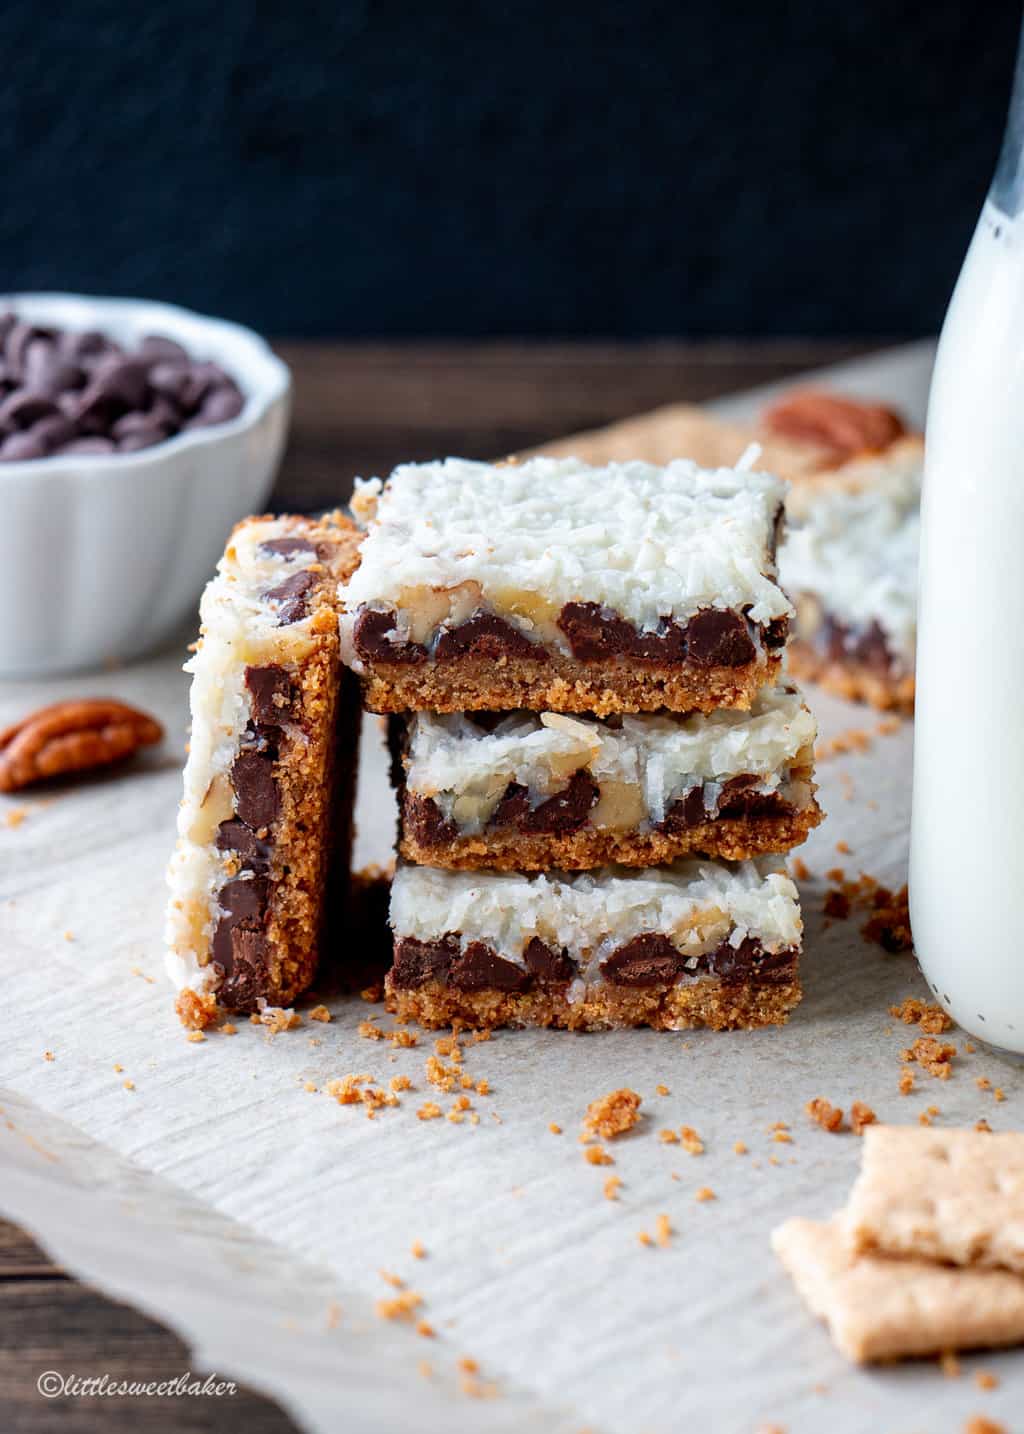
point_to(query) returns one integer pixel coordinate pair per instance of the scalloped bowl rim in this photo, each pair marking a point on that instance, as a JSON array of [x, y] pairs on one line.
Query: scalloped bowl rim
[[265, 384]]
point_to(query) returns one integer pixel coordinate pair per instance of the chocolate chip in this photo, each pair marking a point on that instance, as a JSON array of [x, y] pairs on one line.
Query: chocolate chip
[[717, 637], [423, 820], [597, 634], [736, 965], [257, 800], [647, 960], [548, 968], [485, 635], [244, 902], [286, 547], [371, 639], [270, 691], [739, 799], [293, 595], [219, 406], [776, 632], [84, 447], [868, 646], [417, 962], [16, 342], [686, 811], [20, 447], [86, 345], [22, 408], [141, 438], [249, 977], [53, 431], [234, 835], [171, 380], [480, 968], [566, 811], [156, 346], [594, 633]]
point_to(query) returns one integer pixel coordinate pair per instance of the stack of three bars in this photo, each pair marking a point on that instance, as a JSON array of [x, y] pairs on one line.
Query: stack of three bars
[[614, 867]]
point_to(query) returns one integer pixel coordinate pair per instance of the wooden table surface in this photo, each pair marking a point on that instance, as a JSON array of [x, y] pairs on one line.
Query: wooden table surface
[[358, 410]]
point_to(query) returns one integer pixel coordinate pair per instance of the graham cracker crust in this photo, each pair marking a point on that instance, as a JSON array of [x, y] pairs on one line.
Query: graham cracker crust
[[732, 838], [562, 684], [705, 1002]]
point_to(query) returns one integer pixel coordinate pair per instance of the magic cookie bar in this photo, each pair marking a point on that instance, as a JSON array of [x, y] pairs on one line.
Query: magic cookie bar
[[533, 791], [265, 802], [850, 562], [553, 586], [684, 945]]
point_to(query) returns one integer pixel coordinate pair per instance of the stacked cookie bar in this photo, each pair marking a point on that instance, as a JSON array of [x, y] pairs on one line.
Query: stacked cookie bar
[[597, 764]]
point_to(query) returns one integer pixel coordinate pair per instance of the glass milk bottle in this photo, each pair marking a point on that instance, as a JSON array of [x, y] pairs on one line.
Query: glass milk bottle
[[967, 828]]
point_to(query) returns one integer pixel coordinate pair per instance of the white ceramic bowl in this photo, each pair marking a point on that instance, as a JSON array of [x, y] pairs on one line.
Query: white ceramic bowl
[[101, 557]]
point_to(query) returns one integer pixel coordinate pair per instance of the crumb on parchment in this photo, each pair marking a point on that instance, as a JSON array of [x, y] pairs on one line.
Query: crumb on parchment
[[823, 1113], [930, 1018], [861, 1116], [611, 1115], [612, 1186], [400, 1306], [320, 1013], [690, 1140], [934, 1056], [597, 1155]]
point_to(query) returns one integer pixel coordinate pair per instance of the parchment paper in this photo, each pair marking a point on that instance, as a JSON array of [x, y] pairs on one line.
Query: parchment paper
[[255, 1216]]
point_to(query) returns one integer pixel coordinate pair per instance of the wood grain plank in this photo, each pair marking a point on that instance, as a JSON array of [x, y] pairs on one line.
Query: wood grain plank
[[63, 1326], [360, 409]]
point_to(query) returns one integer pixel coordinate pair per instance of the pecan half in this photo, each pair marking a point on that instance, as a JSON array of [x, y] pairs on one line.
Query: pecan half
[[845, 425], [72, 736]]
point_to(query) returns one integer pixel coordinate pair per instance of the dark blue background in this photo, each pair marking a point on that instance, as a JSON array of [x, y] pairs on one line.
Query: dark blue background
[[539, 168]]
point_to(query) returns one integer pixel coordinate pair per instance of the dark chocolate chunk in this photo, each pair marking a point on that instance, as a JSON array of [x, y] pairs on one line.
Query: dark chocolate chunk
[[22, 408], [739, 799], [594, 633], [485, 635], [717, 637], [257, 800], [736, 965], [776, 632], [565, 812], [293, 595], [548, 968], [285, 547], [686, 811], [270, 691], [220, 405], [480, 968], [245, 903], [89, 446], [424, 821], [156, 346], [417, 962], [234, 835], [371, 639], [19, 447], [647, 960], [249, 976]]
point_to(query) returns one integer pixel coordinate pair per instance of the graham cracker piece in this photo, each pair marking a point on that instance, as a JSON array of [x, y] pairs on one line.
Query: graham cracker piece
[[951, 1195], [880, 1309]]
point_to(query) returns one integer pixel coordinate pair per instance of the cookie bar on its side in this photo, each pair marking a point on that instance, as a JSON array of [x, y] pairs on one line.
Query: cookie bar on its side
[[556, 587], [684, 945], [534, 791], [270, 774]]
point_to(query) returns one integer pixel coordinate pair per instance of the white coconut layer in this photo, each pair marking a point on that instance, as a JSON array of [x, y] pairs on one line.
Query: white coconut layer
[[643, 765], [697, 905], [239, 628], [855, 552], [447, 539]]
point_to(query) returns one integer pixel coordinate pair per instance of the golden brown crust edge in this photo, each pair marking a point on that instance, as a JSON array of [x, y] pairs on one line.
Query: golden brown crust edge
[[708, 1002], [851, 679], [562, 684]]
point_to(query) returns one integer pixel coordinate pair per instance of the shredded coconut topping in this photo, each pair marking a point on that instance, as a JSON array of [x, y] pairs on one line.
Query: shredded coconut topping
[[646, 542], [466, 768], [696, 904]]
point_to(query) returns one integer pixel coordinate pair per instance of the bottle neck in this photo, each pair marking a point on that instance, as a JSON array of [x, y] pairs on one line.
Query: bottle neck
[[1007, 191]]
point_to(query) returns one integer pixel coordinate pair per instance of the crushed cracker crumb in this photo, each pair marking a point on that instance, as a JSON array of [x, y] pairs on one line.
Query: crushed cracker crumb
[[861, 1116], [612, 1115], [597, 1155], [828, 1116], [612, 1186], [320, 1013]]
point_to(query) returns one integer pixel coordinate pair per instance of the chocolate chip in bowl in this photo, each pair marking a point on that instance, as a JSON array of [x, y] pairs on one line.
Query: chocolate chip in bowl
[[66, 392], [133, 436]]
